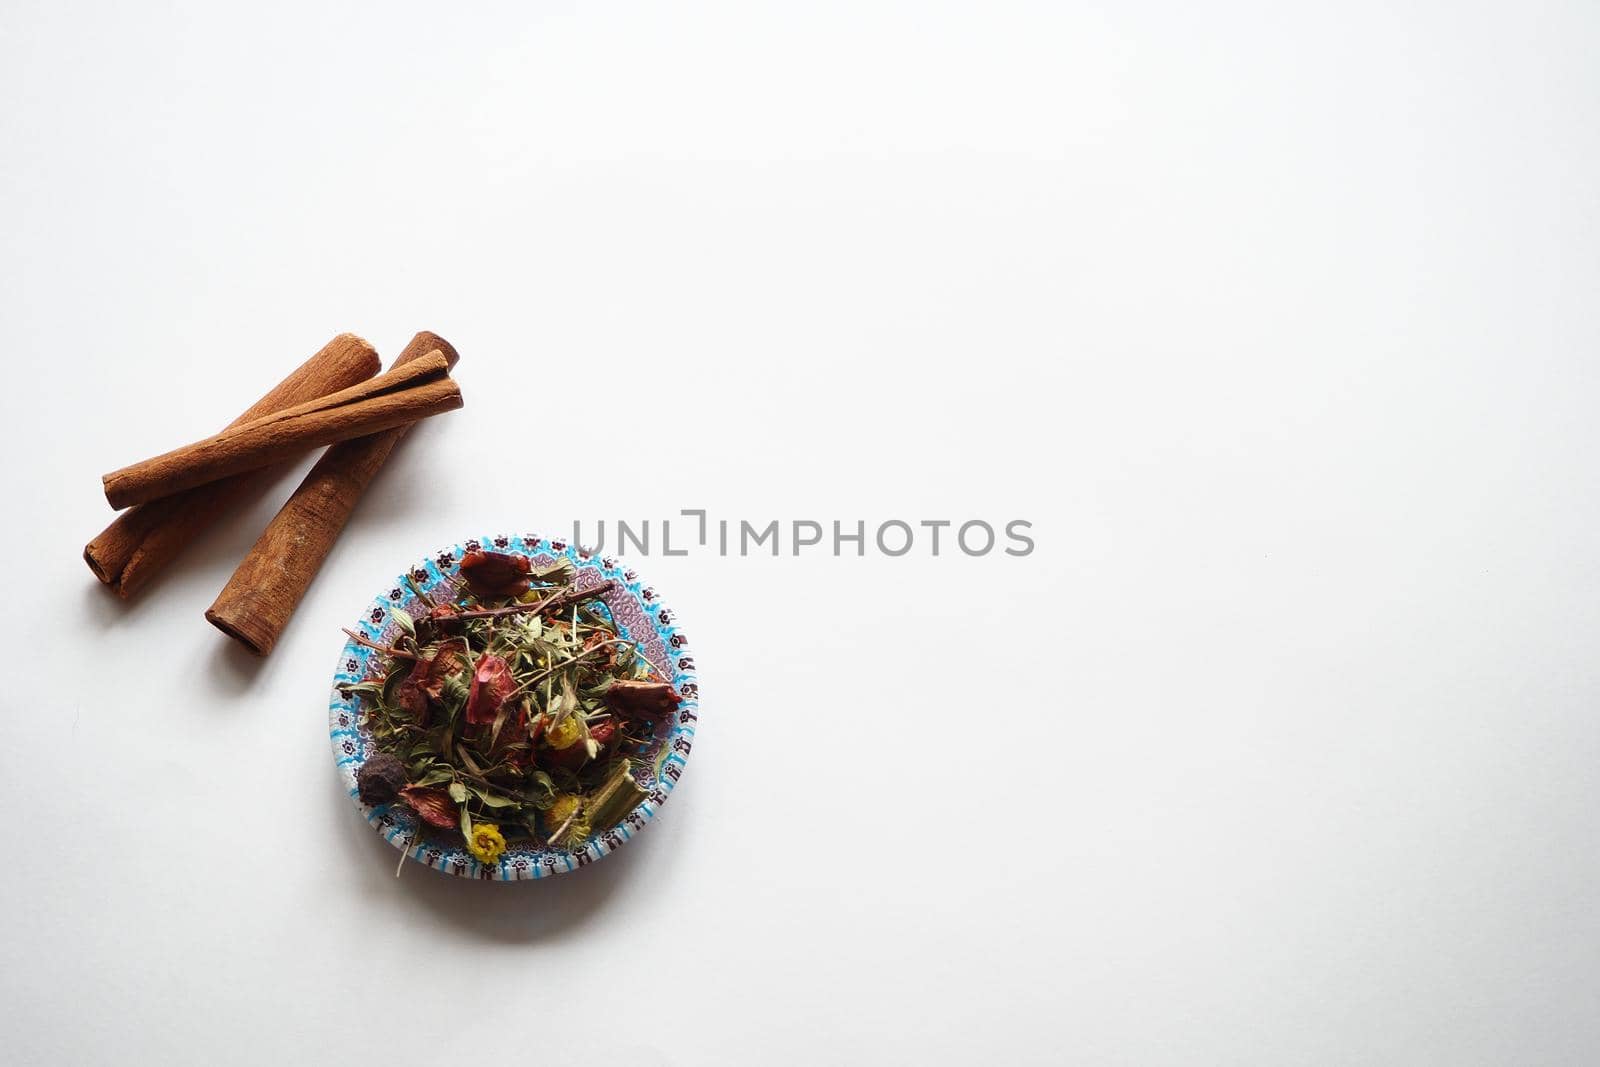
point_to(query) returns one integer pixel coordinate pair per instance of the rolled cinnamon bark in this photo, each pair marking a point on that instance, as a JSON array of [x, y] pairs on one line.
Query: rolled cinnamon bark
[[141, 541], [402, 396], [268, 584]]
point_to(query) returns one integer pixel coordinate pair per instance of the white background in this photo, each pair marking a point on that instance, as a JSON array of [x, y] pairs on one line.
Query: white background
[[1278, 321]]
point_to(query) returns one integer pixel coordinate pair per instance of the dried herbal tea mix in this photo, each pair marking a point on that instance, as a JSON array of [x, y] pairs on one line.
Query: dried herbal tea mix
[[511, 712]]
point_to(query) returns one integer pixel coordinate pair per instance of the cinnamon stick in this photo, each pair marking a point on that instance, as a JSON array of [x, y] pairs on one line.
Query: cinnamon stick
[[142, 540], [421, 388], [268, 584]]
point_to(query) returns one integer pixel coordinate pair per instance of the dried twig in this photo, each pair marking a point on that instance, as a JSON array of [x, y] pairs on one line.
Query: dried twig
[[567, 595], [387, 649]]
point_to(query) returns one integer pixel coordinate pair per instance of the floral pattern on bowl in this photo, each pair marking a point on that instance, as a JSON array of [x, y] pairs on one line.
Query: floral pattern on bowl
[[639, 615]]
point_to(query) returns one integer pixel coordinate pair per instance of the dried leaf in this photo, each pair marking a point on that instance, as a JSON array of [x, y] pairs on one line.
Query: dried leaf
[[500, 719], [560, 572], [541, 790], [493, 800], [407, 624], [394, 680], [437, 776]]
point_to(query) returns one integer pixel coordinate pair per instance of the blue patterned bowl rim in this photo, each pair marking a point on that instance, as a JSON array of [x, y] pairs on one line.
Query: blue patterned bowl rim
[[639, 615]]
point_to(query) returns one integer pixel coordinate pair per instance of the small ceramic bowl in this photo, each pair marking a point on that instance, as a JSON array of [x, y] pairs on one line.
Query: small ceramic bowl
[[639, 615]]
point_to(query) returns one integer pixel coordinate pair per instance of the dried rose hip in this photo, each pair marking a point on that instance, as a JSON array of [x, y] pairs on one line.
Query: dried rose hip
[[491, 574], [380, 779], [643, 698]]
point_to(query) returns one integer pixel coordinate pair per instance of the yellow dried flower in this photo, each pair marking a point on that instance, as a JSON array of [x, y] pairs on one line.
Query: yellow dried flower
[[564, 821], [561, 809], [486, 842], [563, 734]]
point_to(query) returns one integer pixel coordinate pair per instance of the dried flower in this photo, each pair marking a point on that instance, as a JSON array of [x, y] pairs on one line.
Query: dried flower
[[493, 574], [561, 815], [434, 805], [492, 683], [380, 779], [562, 807], [563, 734], [427, 679], [567, 747], [486, 842]]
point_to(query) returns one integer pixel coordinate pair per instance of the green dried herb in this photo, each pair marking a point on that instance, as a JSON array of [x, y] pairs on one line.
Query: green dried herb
[[560, 699]]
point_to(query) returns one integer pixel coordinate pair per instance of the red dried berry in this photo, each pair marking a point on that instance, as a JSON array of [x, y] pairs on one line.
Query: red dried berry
[[495, 574], [380, 779], [643, 698]]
